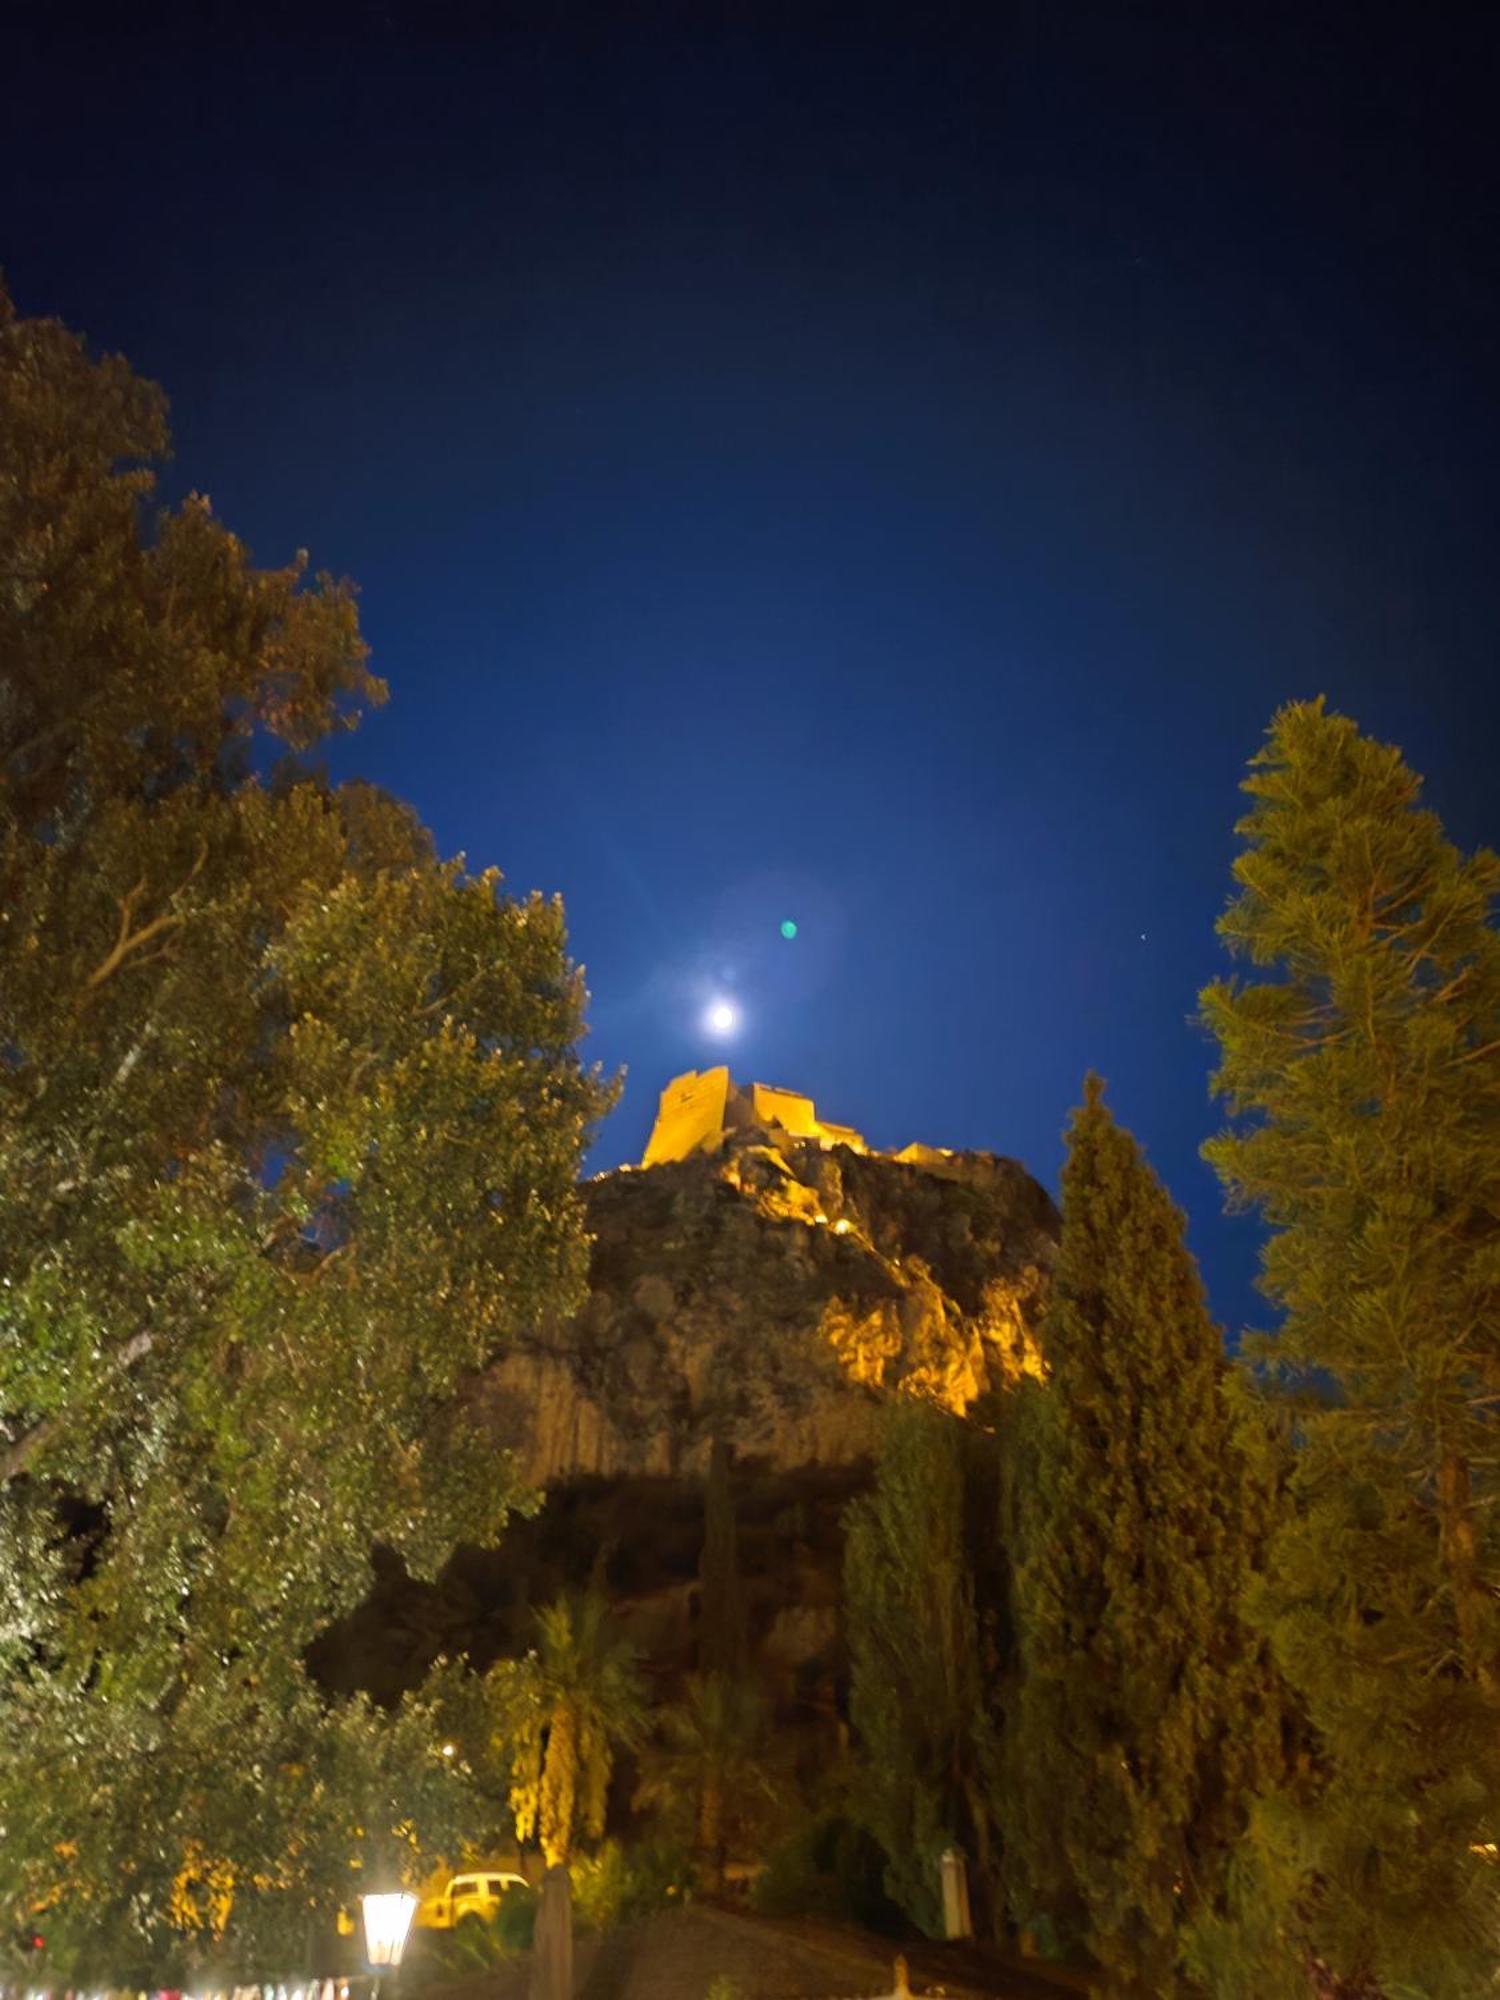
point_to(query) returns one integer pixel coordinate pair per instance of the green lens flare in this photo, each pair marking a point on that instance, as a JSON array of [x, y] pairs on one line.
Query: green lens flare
[[788, 928]]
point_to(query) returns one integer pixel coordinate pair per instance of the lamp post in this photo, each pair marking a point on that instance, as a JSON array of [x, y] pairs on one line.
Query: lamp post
[[387, 1912]]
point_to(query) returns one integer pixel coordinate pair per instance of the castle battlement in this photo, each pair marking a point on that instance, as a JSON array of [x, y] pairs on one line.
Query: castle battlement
[[700, 1109]]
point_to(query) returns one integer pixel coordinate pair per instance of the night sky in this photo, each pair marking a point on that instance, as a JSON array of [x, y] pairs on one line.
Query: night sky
[[878, 477]]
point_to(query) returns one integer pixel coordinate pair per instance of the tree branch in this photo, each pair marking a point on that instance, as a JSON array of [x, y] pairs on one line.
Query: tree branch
[[127, 940]]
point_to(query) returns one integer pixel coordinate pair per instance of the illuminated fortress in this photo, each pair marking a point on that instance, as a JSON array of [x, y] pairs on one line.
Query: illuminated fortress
[[698, 1112], [702, 1109]]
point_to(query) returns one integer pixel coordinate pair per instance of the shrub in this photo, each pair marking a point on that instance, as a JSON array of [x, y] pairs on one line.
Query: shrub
[[600, 1884], [828, 1867], [662, 1872], [474, 1945], [615, 1885], [515, 1920]]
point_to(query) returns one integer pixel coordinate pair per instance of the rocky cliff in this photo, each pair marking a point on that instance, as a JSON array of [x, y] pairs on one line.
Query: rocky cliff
[[774, 1292], [771, 1292]]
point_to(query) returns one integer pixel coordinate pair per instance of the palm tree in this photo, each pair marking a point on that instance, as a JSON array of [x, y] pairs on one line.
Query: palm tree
[[562, 1712], [710, 1755]]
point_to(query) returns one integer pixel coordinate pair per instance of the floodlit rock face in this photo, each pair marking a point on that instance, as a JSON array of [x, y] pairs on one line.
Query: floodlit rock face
[[771, 1289], [776, 1292]]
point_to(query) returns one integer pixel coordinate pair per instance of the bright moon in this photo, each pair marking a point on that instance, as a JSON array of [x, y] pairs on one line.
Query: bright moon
[[722, 1018]]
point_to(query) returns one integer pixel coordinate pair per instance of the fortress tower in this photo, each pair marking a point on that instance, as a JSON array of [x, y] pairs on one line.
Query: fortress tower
[[701, 1108]]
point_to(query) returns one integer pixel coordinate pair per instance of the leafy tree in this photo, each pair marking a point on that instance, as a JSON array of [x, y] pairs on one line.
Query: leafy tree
[[708, 1766], [1360, 1061], [916, 1672], [1143, 1714], [563, 1711], [290, 1119]]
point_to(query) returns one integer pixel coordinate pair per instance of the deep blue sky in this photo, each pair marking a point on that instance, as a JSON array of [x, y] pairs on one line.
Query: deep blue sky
[[882, 476]]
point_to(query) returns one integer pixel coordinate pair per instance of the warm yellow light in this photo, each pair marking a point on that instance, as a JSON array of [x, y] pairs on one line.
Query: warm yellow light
[[841, 1227], [388, 1918], [450, 1749]]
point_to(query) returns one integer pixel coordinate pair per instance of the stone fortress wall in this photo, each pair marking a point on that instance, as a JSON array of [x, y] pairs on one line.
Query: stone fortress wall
[[700, 1109]]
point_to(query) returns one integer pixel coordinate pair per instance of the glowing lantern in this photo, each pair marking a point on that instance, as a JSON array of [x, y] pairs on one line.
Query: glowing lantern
[[387, 1914]]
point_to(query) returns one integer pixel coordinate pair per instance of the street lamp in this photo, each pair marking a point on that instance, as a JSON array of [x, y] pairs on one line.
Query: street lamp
[[387, 1917]]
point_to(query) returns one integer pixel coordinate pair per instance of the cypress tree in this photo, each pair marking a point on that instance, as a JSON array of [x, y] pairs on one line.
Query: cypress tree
[[1142, 1713], [722, 1634], [917, 1695], [1360, 1060]]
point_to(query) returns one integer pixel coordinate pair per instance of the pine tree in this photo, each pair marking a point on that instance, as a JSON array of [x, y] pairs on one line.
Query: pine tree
[[1360, 1060], [1142, 1713], [916, 1694]]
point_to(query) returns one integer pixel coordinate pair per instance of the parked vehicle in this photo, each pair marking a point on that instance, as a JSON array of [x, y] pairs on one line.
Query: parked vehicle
[[475, 1893]]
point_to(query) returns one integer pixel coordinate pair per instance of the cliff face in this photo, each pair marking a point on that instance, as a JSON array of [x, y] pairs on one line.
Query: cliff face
[[775, 1293]]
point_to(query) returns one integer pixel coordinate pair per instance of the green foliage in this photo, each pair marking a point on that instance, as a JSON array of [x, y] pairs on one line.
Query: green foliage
[[290, 1122], [561, 1713], [916, 1676], [474, 1945], [662, 1873], [599, 1882], [706, 1772], [260, 1768], [1360, 1062], [828, 1866], [514, 1923], [618, 1884], [1144, 1714]]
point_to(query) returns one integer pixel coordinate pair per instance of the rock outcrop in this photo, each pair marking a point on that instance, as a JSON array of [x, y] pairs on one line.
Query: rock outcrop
[[772, 1291], [775, 1292]]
